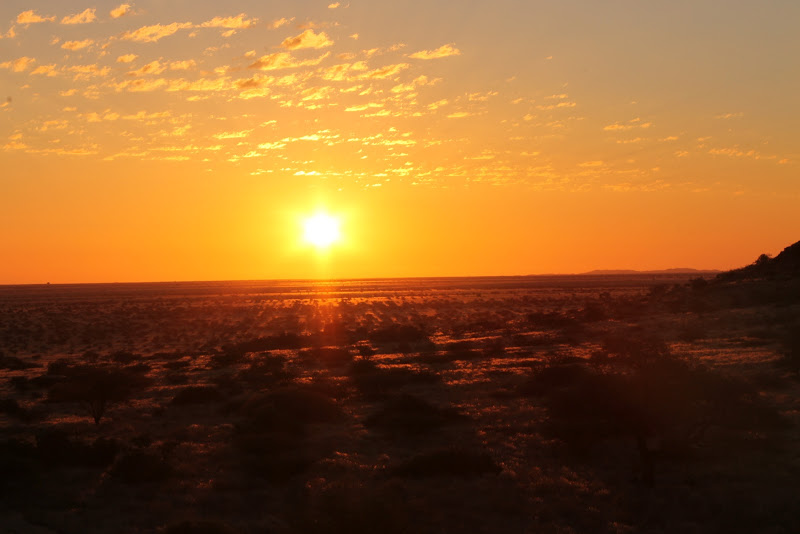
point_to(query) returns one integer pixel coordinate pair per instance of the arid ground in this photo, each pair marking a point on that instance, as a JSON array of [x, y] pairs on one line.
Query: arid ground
[[635, 403]]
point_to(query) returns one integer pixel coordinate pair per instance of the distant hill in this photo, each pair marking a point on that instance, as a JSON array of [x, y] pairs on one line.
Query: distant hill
[[678, 270]]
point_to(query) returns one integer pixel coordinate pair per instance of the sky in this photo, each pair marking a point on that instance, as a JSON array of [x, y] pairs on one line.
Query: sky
[[190, 140]]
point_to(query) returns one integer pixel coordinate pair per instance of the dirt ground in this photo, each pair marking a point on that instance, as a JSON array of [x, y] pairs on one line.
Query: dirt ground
[[635, 403]]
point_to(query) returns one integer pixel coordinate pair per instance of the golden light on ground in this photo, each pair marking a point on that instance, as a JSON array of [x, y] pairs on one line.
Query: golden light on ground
[[322, 230]]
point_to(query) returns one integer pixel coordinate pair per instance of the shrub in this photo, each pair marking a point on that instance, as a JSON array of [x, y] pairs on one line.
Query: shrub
[[200, 527], [328, 356], [138, 467], [197, 395], [446, 462], [405, 414], [372, 380], [96, 387]]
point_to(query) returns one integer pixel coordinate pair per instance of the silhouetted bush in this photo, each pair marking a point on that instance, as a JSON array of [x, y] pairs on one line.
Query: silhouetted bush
[[197, 395], [405, 414], [261, 344], [12, 408], [372, 380], [328, 356], [56, 447], [200, 527], [404, 338], [653, 398], [12, 363], [446, 462], [348, 506], [124, 357], [95, 387], [139, 467]]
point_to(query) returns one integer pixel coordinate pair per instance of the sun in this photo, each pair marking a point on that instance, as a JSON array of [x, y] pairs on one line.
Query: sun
[[321, 230]]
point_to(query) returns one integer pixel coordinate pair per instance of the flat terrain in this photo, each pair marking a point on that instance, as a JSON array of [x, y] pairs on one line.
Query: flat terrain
[[592, 403]]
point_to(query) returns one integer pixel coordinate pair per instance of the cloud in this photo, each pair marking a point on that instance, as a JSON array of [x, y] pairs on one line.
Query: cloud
[[127, 58], [442, 51], [386, 72], [77, 45], [240, 21], [88, 15], [307, 39], [284, 60], [334, 5], [18, 65], [151, 34], [738, 115], [30, 17], [154, 67], [88, 71], [47, 70], [277, 23], [459, 115], [631, 124], [120, 11], [182, 65]]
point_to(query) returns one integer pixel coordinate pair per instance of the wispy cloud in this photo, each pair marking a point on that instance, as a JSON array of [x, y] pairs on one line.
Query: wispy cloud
[[88, 15], [284, 60], [127, 58], [120, 11], [151, 34], [442, 51], [18, 65], [240, 21], [77, 45], [307, 39], [30, 17]]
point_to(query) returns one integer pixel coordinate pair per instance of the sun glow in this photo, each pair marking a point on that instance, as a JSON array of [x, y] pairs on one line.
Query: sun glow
[[321, 230]]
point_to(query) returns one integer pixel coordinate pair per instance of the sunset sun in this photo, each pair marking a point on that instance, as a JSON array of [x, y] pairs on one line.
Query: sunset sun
[[321, 230]]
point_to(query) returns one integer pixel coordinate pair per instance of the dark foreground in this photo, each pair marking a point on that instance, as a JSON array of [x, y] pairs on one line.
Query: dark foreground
[[543, 404]]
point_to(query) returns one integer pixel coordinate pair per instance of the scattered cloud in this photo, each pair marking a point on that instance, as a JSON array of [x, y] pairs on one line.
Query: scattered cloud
[[47, 70], [240, 21], [630, 125], [120, 11], [77, 45], [284, 60], [386, 72], [334, 5], [277, 23], [88, 15], [30, 17], [18, 65], [442, 51], [459, 115], [127, 58], [182, 65], [151, 34], [307, 39], [738, 115], [154, 67]]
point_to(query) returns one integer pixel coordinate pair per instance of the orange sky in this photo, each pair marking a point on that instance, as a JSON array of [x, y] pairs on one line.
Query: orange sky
[[147, 142]]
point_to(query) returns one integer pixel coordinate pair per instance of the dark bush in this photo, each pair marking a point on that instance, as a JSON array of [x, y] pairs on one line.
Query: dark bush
[[328, 356], [96, 387], [57, 448], [406, 414], [197, 395], [446, 462], [12, 363], [372, 380], [200, 527], [139, 467], [12, 408]]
